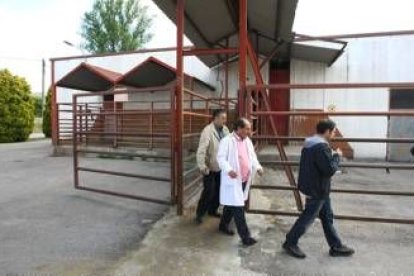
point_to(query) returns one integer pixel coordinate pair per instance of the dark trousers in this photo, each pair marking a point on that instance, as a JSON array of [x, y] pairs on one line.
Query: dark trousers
[[236, 212], [210, 196], [315, 208]]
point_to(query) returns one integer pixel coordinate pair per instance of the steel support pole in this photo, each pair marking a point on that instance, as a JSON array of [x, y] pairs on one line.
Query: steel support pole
[[54, 113], [173, 168], [226, 80], [179, 105], [75, 142], [242, 53], [151, 122]]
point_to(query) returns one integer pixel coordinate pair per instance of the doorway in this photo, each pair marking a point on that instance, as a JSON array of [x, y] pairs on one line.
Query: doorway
[[401, 126], [280, 98]]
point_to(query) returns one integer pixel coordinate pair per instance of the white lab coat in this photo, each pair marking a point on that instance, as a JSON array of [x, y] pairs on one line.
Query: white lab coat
[[231, 190]]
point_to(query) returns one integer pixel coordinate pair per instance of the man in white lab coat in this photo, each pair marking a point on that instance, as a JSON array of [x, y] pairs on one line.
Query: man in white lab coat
[[238, 163]]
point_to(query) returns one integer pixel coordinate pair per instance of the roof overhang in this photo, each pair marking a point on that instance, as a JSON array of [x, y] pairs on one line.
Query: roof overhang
[[214, 23], [153, 73], [150, 73], [317, 53], [88, 77]]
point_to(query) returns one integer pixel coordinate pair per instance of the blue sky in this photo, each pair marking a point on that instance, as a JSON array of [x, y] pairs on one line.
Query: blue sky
[[34, 29]]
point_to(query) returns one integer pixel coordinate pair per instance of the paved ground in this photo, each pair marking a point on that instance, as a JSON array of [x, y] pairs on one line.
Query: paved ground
[[177, 246], [47, 226]]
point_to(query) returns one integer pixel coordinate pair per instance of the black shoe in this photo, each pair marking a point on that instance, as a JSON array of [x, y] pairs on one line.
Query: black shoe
[[226, 231], [342, 251], [198, 220], [294, 251], [249, 241], [216, 215]]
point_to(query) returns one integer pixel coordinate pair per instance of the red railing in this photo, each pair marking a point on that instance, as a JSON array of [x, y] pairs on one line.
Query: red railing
[[112, 129], [197, 112], [257, 109]]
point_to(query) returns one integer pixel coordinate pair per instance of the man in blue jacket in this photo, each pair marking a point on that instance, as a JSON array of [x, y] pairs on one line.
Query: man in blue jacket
[[318, 163]]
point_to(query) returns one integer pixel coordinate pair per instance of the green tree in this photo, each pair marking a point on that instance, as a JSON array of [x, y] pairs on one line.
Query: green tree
[[115, 25], [38, 105], [47, 119], [16, 108]]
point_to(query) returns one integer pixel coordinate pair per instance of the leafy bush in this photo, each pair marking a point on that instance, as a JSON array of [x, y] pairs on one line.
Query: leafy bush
[[47, 119], [16, 108], [38, 105]]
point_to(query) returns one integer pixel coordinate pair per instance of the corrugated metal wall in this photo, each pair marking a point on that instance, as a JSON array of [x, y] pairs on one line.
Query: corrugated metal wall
[[386, 59]]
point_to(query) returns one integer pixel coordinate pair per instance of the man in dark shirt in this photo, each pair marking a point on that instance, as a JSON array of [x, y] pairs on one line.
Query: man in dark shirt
[[317, 165]]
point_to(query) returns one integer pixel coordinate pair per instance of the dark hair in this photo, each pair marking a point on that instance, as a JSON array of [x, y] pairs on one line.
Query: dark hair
[[325, 125], [218, 112], [412, 151], [239, 123]]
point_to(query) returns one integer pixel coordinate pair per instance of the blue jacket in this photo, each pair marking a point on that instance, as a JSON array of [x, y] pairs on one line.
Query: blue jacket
[[317, 166]]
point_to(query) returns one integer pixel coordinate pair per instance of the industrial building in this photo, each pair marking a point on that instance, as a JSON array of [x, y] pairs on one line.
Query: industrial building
[[246, 59]]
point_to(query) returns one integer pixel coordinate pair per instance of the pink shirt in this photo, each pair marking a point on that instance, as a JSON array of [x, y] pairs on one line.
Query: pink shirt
[[243, 158]]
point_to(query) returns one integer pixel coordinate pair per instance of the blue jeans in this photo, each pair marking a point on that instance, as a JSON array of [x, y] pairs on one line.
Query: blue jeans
[[315, 208]]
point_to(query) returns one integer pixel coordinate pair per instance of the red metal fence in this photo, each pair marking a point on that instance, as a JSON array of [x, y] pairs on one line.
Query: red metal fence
[[138, 129], [113, 130], [256, 108], [197, 112]]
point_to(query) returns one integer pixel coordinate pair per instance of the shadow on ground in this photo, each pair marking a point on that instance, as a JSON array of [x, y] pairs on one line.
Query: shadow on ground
[[178, 246]]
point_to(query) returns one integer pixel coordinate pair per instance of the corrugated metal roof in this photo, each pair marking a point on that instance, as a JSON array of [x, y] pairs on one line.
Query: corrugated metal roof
[[315, 53], [88, 77], [152, 73], [209, 23]]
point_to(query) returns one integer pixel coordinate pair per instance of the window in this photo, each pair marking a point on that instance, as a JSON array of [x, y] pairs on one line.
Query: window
[[402, 99]]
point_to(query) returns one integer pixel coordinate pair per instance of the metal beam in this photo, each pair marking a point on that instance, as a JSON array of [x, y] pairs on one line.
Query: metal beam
[[358, 35], [342, 139], [54, 107], [272, 54], [348, 165], [331, 40], [337, 113], [209, 51], [340, 191], [242, 51], [179, 119], [390, 85], [139, 51]]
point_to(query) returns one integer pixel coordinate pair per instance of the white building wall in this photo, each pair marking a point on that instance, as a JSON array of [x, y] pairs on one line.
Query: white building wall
[[217, 76], [385, 59], [163, 98]]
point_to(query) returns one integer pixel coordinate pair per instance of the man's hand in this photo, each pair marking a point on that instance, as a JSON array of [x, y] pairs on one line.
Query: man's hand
[[232, 174], [205, 171], [260, 171]]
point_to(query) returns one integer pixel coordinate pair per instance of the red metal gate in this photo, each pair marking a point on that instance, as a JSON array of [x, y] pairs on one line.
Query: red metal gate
[[130, 130], [251, 100]]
